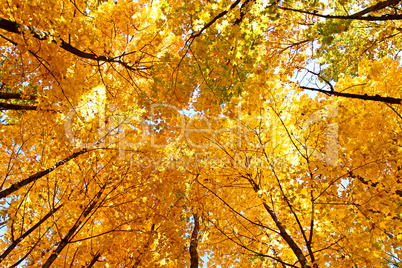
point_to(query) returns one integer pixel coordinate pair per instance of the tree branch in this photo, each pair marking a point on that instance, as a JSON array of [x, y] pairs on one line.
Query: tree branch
[[367, 182], [242, 12], [15, 27], [16, 186], [16, 107], [377, 97], [377, 7], [33, 228], [17, 96], [73, 229], [194, 242], [211, 22], [146, 247], [94, 260], [288, 239], [358, 15]]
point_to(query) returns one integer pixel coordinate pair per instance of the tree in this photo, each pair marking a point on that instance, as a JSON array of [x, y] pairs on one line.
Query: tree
[[150, 134]]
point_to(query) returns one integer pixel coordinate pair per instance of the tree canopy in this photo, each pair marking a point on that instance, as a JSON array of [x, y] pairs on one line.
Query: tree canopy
[[201, 133]]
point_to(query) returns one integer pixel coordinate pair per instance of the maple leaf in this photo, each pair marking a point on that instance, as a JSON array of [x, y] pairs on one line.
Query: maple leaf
[[240, 133]]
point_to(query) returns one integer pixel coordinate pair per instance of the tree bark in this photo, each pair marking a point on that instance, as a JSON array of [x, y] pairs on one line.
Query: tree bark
[[194, 242]]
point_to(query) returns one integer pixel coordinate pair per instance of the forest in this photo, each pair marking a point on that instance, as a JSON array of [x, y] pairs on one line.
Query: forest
[[201, 133]]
